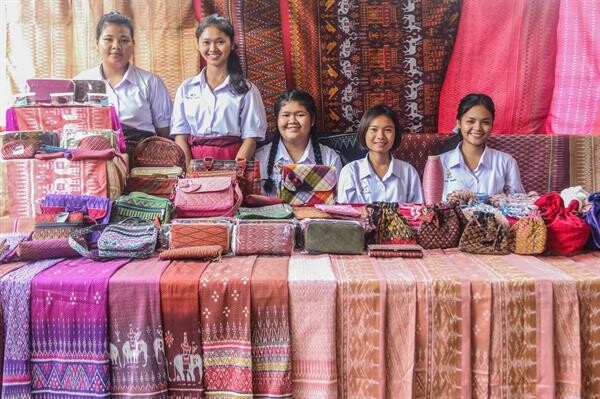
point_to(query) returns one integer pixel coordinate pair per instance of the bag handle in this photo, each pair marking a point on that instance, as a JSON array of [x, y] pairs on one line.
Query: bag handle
[[82, 233]]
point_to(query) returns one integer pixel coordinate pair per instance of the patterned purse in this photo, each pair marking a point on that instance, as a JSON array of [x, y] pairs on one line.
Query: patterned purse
[[530, 234], [143, 206], [483, 235], [207, 196], [91, 139], [197, 234], [247, 172], [279, 211], [158, 151], [390, 226], [154, 180], [97, 208], [263, 238], [308, 184], [24, 144], [441, 226], [333, 237], [60, 225], [85, 86], [122, 240]]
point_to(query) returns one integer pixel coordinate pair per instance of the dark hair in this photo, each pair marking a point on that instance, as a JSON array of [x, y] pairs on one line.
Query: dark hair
[[113, 17], [306, 100], [368, 117], [466, 103], [234, 67]]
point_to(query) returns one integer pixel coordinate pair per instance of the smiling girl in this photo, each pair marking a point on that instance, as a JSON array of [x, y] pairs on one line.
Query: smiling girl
[[470, 163], [218, 113], [379, 176], [140, 98], [295, 140]]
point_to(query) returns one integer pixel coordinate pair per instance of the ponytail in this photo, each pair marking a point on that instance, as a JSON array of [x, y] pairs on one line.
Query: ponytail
[[268, 184]]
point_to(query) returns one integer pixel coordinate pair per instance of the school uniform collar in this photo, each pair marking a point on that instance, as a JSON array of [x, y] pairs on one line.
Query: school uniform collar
[[200, 79], [456, 157], [130, 75], [365, 170], [282, 155]]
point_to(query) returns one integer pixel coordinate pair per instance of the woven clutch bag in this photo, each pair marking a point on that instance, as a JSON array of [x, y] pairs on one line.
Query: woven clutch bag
[[199, 234], [263, 238], [334, 237]]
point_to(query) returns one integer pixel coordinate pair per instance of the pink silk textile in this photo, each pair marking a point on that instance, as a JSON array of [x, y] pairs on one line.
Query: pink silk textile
[[136, 346], [312, 296], [225, 318], [511, 58], [271, 346], [576, 95]]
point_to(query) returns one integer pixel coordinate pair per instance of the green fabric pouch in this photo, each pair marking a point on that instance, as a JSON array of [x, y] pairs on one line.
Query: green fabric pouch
[[333, 237], [278, 211], [143, 206]]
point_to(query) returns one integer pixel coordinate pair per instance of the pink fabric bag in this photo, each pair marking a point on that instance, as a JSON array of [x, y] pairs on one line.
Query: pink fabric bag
[[44, 87], [207, 196]]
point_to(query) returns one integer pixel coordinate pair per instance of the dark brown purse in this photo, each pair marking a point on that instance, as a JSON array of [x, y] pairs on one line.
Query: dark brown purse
[[441, 226]]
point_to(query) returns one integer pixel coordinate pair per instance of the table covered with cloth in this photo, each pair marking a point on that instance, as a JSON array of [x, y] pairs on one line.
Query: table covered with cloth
[[448, 325]]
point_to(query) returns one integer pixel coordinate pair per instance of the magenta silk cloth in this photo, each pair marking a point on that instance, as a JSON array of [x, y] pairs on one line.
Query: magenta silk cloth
[[15, 290], [510, 58], [576, 96], [69, 304], [136, 348]]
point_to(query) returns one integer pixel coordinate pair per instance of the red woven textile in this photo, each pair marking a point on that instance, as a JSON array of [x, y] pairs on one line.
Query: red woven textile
[[179, 294], [225, 319], [511, 58], [271, 346]]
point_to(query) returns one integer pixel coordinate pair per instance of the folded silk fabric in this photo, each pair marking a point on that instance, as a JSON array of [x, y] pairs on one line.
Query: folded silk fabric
[[200, 252]]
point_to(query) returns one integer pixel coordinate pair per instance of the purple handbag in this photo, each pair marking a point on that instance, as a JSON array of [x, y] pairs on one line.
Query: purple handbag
[[98, 208], [593, 218], [44, 87]]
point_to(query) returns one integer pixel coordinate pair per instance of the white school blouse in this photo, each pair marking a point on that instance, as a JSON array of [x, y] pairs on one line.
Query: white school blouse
[[358, 183], [200, 111], [141, 99], [497, 172], [282, 157]]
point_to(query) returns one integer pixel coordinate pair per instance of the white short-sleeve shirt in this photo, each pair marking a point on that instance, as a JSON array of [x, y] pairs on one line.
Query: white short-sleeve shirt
[[141, 99], [497, 172], [358, 183], [282, 157], [200, 111]]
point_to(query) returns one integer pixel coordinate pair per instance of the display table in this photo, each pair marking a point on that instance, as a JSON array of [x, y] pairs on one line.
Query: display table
[[447, 325]]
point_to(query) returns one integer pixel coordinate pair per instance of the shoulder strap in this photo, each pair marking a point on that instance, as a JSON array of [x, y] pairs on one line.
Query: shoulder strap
[[82, 233]]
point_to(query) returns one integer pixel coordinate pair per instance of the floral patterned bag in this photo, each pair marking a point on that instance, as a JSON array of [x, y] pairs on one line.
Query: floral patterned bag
[[441, 226], [390, 226]]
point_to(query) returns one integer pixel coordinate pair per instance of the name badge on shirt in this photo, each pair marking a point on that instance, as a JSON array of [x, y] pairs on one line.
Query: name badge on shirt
[[366, 188], [449, 177]]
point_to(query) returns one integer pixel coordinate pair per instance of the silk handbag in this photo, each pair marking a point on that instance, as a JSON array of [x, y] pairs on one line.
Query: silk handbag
[[154, 180], [207, 196], [308, 184], [199, 233], [279, 211], [158, 151], [141, 205], [274, 237], [530, 234], [247, 172], [24, 144], [484, 235], [44, 87], [441, 226], [333, 237], [92, 139], [391, 227], [97, 208], [85, 86], [121, 240]]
